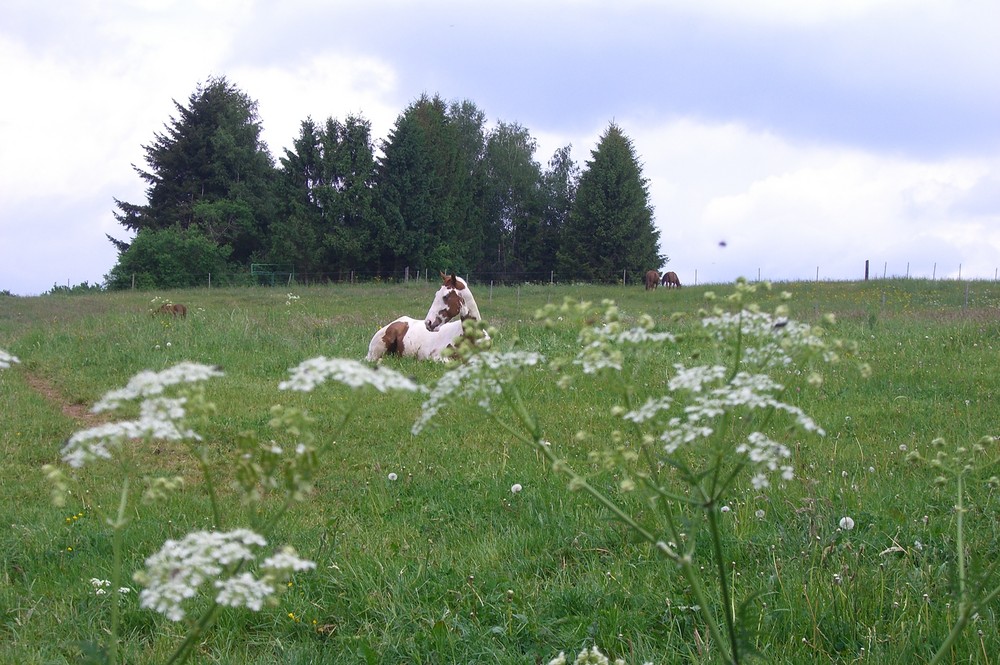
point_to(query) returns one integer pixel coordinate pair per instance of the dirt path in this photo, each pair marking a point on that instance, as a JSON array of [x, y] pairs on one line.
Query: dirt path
[[77, 412]]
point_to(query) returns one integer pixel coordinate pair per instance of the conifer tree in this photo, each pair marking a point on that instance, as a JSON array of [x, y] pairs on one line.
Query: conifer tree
[[211, 171], [610, 227]]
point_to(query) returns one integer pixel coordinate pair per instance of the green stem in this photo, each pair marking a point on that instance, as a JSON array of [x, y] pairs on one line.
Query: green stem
[[206, 472], [713, 529], [965, 605], [117, 529]]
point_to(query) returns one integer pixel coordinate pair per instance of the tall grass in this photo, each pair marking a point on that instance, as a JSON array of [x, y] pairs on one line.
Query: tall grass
[[446, 563]]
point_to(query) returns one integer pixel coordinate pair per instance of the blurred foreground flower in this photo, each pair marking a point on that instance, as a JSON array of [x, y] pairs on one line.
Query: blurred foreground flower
[[310, 373], [180, 568], [6, 360]]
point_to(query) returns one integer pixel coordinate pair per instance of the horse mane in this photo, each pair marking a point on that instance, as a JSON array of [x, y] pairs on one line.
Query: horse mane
[[453, 281]]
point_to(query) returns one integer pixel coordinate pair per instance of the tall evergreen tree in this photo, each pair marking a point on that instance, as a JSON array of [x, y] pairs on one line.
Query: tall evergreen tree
[[209, 169], [425, 181], [610, 227], [326, 188]]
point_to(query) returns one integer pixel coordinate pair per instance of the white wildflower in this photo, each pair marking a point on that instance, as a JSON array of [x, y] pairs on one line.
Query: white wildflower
[[244, 590], [650, 409], [478, 379], [175, 573], [285, 562], [693, 379], [6, 359], [601, 344], [159, 418], [310, 373], [148, 383]]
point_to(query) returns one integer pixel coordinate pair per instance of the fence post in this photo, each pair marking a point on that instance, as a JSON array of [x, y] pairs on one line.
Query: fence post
[[934, 272], [960, 275], [866, 270], [885, 269]]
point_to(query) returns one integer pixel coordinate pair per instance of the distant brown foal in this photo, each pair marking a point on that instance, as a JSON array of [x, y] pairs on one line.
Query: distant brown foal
[[173, 310]]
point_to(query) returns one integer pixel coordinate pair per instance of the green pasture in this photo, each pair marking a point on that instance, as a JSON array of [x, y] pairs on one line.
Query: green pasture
[[446, 564]]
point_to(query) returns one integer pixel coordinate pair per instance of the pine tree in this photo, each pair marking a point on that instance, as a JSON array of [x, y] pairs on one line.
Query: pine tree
[[610, 227], [208, 170], [326, 190]]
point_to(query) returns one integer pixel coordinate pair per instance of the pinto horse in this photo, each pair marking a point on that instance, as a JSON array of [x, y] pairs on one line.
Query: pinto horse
[[671, 279], [427, 339], [652, 279]]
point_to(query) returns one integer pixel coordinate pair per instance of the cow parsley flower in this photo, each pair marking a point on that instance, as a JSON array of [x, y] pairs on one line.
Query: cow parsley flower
[[479, 379], [311, 373], [149, 383], [159, 418], [602, 344], [181, 568], [6, 359]]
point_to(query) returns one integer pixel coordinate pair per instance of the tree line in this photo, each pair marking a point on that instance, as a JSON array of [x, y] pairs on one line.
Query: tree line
[[443, 191]]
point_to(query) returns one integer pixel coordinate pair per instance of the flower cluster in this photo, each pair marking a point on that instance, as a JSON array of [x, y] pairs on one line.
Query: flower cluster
[[602, 343], [711, 397], [311, 373], [6, 359], [480, 379], [182, 567], [149, 383], [101, 587], [159, 418], [591, 656]]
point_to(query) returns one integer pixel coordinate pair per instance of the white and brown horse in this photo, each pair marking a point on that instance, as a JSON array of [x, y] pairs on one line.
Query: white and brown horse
[[427, 339]]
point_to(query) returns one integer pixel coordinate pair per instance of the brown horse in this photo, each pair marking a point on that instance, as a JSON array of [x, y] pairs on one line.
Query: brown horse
[[173, 310], [670, 279], [652, 279]]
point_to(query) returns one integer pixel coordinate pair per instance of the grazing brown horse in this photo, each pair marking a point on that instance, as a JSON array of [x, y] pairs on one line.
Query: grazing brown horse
[[173, 310], [652, 279], [670, 279]]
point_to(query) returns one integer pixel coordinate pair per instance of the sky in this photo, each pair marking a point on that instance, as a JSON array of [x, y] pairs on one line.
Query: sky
[[781, 139]]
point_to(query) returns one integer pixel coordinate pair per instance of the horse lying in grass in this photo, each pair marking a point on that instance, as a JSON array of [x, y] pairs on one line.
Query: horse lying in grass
[[428, 339], [408, 337]]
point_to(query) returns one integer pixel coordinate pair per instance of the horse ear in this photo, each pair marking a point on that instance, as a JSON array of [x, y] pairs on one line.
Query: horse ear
[[444, 277]]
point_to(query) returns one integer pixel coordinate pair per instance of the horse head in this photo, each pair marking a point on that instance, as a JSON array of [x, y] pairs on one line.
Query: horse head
[[453, 299]]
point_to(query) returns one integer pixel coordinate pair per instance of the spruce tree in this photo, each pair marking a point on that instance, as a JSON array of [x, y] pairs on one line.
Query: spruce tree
[[208, 170], [610, 227]]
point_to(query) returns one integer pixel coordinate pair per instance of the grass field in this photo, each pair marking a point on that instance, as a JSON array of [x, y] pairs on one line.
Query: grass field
[[446, 564]]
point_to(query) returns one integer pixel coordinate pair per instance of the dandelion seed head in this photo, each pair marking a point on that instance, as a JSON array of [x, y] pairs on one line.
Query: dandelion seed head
[[846, 523], [515, 488]]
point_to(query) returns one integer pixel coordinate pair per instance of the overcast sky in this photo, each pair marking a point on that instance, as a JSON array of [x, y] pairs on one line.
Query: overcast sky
[[788, 139]]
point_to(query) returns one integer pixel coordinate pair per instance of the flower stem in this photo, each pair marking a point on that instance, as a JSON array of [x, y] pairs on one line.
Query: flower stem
[[117, 530]]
